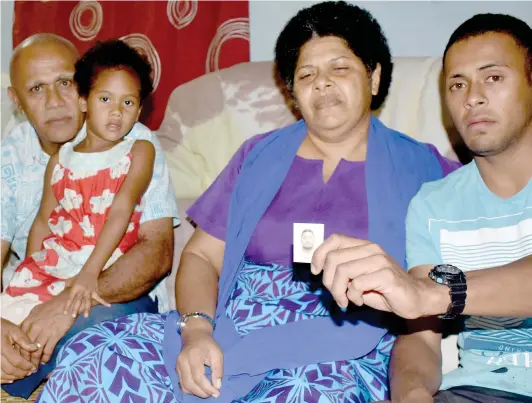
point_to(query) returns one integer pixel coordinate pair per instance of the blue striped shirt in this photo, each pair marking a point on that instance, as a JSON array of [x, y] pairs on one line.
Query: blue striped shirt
[[458, 220]]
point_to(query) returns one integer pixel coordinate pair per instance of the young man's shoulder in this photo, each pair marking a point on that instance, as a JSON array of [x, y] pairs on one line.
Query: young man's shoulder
[[448, 188]]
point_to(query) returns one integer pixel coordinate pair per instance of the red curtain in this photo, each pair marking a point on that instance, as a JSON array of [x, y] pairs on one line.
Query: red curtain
[[183, 39]]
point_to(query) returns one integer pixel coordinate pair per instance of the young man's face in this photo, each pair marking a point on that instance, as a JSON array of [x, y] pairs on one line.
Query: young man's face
[[488, 92], [44, 90]]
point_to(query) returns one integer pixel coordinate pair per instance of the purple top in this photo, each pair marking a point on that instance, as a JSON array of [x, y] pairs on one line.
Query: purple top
[[340, 204]]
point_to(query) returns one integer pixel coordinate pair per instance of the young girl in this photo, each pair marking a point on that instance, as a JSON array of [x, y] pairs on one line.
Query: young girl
[[92, 199]]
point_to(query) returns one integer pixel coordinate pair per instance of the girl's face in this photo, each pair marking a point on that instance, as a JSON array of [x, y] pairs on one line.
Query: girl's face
[[113, 104]]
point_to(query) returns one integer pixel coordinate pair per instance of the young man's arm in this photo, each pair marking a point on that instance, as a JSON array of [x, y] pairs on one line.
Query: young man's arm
[[497, 291], [415, 366]]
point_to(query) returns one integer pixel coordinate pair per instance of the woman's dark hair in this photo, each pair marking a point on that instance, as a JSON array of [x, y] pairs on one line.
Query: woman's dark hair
[[112, 55], [481, 24], [356, 26]]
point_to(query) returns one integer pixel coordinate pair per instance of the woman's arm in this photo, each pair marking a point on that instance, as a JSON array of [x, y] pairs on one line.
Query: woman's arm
[[39, 229], [137, 181], [196, 284], [197, 291]]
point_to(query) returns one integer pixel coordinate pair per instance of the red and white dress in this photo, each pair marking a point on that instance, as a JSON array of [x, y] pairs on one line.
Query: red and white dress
[[84, 185]]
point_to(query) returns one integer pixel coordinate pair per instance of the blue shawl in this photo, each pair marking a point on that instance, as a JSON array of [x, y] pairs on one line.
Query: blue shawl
[[396, 167]]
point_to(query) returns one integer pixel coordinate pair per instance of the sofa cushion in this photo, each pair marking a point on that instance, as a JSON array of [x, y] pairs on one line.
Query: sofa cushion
[[202, 154]]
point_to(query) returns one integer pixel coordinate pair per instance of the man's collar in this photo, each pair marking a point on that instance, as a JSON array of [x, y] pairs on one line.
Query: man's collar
[[81, 134], [37, 153]]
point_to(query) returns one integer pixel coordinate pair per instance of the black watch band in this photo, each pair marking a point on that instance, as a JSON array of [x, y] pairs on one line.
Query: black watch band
[[455, 279]]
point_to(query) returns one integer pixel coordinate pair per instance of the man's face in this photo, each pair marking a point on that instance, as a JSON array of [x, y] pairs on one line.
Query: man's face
[[488, 92], [44, 90], [307, 240]]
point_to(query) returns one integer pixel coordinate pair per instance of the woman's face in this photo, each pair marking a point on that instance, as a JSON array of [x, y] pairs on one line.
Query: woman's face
[[332, 87]]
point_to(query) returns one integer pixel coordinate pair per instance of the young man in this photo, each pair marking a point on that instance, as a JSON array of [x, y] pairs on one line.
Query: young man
[[478, 217], [477, 222], [42, 87]]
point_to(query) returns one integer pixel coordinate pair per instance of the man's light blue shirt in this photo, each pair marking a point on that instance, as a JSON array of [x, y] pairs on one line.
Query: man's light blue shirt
[[458, 220]]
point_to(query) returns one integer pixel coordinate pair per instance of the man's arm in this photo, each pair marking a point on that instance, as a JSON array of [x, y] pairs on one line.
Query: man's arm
[[136, 272], [497, 291], [10, 178], [363, 273], [415, 367], [84, 287], [5, 252], [13, 364], [417, 380]]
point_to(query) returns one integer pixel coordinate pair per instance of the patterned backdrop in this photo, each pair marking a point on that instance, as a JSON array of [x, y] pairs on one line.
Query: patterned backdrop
[[183, 39]]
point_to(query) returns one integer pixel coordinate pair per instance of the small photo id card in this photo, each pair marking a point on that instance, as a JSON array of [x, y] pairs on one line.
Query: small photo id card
[[307, 238]]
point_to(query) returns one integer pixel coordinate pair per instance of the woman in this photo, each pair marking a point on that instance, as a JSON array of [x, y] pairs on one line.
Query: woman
[[253, 327]]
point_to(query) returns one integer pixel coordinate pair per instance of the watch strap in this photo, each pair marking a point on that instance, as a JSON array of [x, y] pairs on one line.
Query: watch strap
[[458, 298], [457, 289]]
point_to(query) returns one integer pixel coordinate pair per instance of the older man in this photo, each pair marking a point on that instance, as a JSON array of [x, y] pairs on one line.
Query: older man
[[41, 72]]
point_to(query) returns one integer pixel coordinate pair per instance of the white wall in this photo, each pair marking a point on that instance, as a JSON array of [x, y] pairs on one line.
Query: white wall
[[413, 28], [6, 30]]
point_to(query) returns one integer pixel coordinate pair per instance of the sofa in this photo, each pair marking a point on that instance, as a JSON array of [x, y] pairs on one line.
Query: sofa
[[207, 119]]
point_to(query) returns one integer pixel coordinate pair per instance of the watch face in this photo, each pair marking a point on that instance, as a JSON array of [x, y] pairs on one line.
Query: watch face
[[448, 269]]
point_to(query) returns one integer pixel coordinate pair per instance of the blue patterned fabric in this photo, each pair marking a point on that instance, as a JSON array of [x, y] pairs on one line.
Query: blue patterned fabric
[[268, 296], [121, 361]]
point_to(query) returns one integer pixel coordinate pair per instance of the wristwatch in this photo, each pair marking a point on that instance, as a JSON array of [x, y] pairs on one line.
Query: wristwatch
[[455, 279], [181, 323]]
